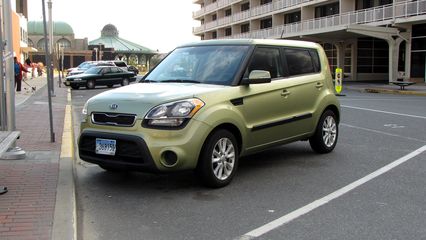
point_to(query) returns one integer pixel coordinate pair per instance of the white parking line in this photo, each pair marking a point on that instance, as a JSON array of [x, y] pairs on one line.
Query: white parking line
[[384, 133], [318, 203], [380, 111]]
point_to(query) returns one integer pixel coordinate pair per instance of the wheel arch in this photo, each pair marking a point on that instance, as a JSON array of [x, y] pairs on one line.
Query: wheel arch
[[229, 127], [335, 110]]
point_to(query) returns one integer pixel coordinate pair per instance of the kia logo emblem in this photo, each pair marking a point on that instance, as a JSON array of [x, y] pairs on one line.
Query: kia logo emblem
[[113, 106]]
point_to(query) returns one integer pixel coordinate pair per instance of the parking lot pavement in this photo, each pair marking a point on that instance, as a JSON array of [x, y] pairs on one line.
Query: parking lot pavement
[[376, 131]]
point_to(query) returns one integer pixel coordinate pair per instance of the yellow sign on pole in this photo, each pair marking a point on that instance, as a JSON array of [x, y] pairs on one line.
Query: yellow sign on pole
[[338, 83]]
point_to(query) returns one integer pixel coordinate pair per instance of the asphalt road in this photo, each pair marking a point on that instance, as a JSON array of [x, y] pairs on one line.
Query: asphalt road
[[312, 196]]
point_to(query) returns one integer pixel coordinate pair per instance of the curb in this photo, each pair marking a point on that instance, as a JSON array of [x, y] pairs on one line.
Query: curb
[[65, 217], [387, 91]]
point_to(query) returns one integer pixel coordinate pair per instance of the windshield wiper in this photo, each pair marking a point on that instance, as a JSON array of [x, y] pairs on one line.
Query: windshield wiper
[[182, 81], [147, 81]]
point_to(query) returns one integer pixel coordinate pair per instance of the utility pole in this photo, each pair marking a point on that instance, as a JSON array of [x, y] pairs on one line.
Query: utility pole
[[3, 120], [14, 152], [9, 69], [49, 73]]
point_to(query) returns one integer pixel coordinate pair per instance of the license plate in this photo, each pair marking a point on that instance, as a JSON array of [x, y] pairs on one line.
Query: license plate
[[105, 146]]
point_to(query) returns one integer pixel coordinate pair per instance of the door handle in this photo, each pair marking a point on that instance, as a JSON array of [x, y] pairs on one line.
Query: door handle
[[285, 93], [319, 85]]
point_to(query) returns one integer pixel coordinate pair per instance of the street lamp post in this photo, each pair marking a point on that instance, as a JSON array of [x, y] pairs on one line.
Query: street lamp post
[[49, 73], [49, 6]]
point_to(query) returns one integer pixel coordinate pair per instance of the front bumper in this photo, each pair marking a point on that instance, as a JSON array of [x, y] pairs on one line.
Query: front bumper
[[132, 151], [145, 149]]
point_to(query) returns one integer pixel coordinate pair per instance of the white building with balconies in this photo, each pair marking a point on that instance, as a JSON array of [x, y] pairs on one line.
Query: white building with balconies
[[369, 39]]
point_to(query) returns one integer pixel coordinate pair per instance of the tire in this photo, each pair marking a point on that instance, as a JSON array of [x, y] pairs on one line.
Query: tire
[[75, 86], [220, 149], [90, 84], [110, 85], [325, 138], [125, 82]]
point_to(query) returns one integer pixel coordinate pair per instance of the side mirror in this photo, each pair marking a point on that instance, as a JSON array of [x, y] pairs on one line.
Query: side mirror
[[257, 76]]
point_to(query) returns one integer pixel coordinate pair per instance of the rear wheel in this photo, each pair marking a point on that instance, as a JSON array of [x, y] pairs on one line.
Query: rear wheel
[[90, 84], [218, 160], [125, 82], [75, 86], [325, 138]]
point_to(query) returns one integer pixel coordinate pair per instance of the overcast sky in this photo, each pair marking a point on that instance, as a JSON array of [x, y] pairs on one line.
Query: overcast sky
[[156, 24]]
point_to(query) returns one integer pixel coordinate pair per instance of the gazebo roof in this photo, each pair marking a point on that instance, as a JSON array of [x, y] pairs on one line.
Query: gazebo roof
[[110, 39]]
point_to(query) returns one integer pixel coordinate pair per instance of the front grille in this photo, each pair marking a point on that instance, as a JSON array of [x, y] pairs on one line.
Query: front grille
[[114, 119]]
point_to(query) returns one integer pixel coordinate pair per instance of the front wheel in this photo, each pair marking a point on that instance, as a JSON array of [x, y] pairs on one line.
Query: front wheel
[[218, 160], [125, 82], [90, 84], [325, 138]]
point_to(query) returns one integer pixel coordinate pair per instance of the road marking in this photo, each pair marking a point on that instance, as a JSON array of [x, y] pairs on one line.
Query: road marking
[[380, 111], [318, 203], [381, 132]]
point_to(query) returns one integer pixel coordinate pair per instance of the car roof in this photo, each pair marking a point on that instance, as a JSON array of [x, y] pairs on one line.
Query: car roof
[[273, 42]]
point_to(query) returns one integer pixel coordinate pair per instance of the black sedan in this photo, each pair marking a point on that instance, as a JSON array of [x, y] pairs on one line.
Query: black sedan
[[100, 75]]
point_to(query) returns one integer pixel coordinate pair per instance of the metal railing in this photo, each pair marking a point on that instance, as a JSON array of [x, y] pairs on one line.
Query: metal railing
[[372, 16]]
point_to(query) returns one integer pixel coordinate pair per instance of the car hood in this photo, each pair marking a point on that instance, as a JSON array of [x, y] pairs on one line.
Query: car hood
[[141, 97]]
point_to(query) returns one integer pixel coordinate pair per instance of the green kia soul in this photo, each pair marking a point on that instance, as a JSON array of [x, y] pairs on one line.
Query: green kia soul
[[209, 103]]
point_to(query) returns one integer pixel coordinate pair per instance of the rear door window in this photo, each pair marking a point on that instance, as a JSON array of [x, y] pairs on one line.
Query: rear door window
[[300, 61]]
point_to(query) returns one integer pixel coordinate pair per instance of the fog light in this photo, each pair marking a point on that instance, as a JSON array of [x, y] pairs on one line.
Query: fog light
[[169, 159]]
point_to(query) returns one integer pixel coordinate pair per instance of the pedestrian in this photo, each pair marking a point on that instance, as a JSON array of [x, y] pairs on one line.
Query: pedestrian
[[18, 73], [27, 65]]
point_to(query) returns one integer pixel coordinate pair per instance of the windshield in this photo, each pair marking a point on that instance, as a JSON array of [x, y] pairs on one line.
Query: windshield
[[84, 65], [200, 64], [93, 70]]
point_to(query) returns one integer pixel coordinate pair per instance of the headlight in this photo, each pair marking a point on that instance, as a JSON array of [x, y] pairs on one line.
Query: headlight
[[173, 114], [84, 112]]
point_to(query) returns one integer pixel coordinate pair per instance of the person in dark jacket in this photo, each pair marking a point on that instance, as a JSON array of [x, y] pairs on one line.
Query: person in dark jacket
[[18, 73]]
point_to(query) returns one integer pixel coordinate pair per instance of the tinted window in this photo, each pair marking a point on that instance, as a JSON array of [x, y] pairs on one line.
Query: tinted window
[[299, 61], [267, 59]]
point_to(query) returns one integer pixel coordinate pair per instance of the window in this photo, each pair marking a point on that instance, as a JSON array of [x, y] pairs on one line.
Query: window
[[327, 10], [265, 2], [228, 12], [228, 31], [245, 28], [245, 6], [299, 61], [292, 17], [65, 43], [266, 23], [214, 35], [267, 59], [214, 17]]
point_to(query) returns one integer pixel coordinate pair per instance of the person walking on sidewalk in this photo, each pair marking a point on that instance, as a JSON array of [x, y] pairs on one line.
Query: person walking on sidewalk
[[18, 73]]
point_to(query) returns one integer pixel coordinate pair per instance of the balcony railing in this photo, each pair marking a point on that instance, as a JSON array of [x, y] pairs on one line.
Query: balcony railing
[[270, 7], [371, 16]]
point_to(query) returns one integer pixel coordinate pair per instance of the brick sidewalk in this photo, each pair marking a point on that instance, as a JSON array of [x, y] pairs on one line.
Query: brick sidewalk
[[27, 209]]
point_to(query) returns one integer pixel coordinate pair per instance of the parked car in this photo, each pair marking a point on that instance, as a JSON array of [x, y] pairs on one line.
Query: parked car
[[133, 69], [100, 75], [209, 103], [82, 65], [88, 65], [121, 64]]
